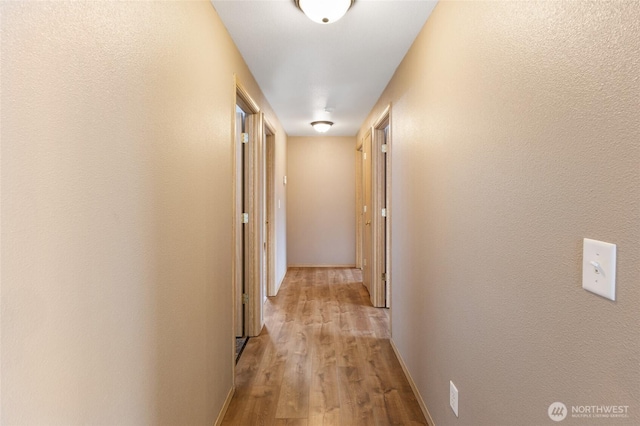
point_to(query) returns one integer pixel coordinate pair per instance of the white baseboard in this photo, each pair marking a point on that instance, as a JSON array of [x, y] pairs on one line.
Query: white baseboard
[[225, 406], [322, 266], [416, 392]]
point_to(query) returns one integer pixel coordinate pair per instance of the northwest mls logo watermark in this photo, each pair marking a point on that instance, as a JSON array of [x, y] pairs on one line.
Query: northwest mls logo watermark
[[558, 411]]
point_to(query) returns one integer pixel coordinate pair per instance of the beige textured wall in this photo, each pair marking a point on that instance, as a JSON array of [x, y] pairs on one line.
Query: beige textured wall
[[116, 212], [321, 197], [516, 133]]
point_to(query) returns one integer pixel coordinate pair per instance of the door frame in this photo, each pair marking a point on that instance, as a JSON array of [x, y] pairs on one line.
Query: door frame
[[270, 206], [381, 199], [237, 262], [254, 227], [359, 203], [380, 293], [368, 214]]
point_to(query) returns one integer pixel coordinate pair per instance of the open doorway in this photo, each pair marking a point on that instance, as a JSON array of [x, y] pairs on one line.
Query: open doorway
[[381, 142], [249, 217], [374, 209]]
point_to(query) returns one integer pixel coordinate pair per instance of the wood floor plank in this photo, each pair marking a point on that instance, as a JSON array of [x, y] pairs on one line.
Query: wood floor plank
[[324, 401], [272, 368], [357, 397], [323, 358], [291, 422], [294, 390]]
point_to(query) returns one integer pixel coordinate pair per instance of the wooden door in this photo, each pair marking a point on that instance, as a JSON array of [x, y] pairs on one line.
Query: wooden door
[[359, 205], [249, 210], [381, 287], [270, 212], [367, 249], [240, 191], [254, 229], [380, 205], [265, 214]]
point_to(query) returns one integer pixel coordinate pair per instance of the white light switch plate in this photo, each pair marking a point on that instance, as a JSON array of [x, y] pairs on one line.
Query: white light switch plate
[[599, 268]]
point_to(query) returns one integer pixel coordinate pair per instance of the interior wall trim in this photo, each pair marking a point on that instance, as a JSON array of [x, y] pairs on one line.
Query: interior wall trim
[[416, 392], [323, 266], [225, 406]]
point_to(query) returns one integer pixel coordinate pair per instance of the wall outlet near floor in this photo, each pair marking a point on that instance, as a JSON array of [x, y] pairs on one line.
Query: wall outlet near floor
[[453, 397]]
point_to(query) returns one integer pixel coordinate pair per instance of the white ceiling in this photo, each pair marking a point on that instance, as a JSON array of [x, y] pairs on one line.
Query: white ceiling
[[304, 68]]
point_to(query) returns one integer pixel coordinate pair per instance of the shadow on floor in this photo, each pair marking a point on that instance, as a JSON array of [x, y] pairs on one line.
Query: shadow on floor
[[241, 342]]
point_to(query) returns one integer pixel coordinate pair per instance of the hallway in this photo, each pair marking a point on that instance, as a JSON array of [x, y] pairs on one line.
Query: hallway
[[513, 138], [323, 358]]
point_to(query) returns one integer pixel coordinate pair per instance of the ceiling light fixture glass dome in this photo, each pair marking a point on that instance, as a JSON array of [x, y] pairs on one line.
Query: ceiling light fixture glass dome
[[324, 11], [322, 126]]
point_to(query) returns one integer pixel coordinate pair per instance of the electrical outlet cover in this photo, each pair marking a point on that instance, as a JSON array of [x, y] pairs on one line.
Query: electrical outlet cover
[[453, 397]]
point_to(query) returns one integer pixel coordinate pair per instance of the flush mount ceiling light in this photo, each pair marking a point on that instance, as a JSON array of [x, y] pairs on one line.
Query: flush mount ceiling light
[[322, 126], [324, 11]]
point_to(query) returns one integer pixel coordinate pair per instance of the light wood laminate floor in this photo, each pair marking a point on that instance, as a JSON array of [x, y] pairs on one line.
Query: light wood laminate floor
[[323, 358]]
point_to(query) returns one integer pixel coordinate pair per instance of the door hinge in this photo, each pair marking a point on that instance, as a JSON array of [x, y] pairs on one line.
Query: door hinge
[[384, 276], [245, 299], [384, 212], [245, 217], [384, 147], [245, 138]]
